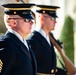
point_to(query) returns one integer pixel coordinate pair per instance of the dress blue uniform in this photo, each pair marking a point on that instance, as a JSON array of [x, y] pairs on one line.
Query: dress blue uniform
[[15, 59], [45, 54]]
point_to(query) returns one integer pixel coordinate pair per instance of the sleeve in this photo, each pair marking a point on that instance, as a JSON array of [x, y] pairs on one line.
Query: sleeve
[[5, 58]]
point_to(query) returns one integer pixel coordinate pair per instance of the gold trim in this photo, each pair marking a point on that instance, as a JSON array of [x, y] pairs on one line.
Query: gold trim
[[1, 65], [17, 8], [39, 8]]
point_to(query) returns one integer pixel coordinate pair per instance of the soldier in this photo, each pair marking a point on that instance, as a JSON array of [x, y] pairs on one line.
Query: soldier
[[16, 57], [40, 42]]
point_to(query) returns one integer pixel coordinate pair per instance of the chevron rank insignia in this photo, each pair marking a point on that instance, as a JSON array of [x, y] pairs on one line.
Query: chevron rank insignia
[[1, 65]]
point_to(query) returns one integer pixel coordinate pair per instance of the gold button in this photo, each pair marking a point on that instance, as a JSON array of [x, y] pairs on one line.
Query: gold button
[[56, 70], [52, 71], [14, 12], [43, 11]]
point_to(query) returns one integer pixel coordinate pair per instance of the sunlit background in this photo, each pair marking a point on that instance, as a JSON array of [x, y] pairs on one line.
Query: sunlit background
[[67, 7]]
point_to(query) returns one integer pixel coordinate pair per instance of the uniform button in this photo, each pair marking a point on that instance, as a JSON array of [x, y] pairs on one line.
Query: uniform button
[[43, 11], [56, 70], [14, 12], [52, 71]]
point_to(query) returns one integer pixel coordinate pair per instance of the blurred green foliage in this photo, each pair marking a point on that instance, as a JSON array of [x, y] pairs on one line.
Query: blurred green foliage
[[67, 37], [2, 25]]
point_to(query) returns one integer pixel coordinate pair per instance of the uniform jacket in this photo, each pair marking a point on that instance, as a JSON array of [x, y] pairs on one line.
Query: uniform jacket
[[15, 58], [45, 55]]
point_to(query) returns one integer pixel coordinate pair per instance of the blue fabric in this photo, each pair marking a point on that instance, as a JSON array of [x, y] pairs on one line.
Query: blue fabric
[[15, 57]]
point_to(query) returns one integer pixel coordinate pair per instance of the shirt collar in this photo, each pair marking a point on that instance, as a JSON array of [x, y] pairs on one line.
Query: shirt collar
[[15, 33], [41, 31]]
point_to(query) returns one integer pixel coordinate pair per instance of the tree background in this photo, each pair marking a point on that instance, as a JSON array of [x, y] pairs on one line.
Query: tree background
[[67, 37]]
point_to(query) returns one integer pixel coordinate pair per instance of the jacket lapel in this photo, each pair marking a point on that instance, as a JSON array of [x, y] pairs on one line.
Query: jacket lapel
[[22, 47], [25, 50], [47, 46], [43, 40]]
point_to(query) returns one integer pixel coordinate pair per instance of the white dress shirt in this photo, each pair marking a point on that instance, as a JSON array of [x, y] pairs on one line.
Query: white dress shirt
[[41, 31]]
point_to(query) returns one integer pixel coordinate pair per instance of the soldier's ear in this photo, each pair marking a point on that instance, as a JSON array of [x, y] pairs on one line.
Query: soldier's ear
[[42, 19], [13, 23]]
